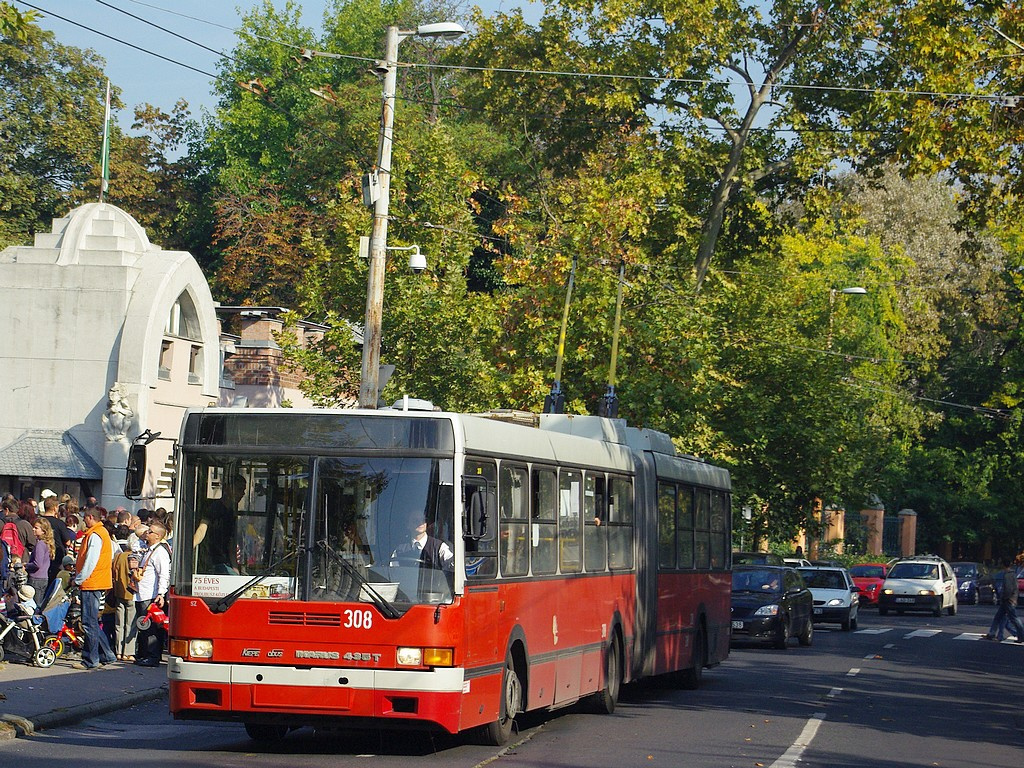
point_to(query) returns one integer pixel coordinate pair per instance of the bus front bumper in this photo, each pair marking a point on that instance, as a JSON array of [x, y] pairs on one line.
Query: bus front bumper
[[308, 695]]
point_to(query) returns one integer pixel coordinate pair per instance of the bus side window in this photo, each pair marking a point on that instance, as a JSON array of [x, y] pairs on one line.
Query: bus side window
[[543, 523], [702, 526], [666, 525], [719, 528], [620, 524], [514, 524], [595, 528], [569, 514], [480, 519], [684, 526]]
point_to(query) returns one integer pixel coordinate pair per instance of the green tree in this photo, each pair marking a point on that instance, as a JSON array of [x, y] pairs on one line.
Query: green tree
[[51, 118], [13, 23]]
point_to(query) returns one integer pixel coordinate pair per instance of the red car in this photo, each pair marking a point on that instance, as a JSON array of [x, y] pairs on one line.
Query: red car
[[869, 577]]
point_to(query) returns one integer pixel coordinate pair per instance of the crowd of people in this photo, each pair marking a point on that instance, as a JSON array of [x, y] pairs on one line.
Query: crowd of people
[[115, 563]]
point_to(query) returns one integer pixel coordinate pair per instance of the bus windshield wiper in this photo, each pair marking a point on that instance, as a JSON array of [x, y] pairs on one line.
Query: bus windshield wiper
[[228, 600], [378, 600]]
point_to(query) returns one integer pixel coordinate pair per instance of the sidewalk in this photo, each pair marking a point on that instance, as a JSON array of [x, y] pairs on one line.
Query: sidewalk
[[33, 699]]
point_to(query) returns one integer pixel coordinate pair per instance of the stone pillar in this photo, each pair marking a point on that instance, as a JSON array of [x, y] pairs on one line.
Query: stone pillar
[[908, 532], [835, 528], [873, 523], [115, 462]]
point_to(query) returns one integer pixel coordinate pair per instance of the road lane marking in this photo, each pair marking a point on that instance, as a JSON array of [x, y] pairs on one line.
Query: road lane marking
[[970, 636], [879, 631], [889, 646], [853, 672], [834, 692], [803, 741], [923, 633]]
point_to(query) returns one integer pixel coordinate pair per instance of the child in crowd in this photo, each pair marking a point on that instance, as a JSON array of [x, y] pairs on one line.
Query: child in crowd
[[22, 604], [67, 572]]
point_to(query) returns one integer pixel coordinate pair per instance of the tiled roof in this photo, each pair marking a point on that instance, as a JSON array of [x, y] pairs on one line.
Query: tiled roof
[[48, 453]]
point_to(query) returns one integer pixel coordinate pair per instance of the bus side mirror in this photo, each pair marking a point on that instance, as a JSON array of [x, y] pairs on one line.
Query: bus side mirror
[[135, 472], [480, 507]]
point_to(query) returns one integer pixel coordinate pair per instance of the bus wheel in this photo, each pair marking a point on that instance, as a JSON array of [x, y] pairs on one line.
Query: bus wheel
[[497, 733], [689, 679], [603, 702], [266, 733]]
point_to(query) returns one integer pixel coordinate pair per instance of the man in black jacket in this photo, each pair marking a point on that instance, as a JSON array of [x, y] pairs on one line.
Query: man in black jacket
[[61, 534], [1006, 613]]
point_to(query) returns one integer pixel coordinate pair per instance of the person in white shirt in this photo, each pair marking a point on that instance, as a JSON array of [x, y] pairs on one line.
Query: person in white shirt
[[422, 548], [154, 579]]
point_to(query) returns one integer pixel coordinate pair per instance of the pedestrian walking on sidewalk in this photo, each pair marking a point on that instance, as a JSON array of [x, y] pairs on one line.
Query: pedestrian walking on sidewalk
[[1006, 613], [93, 570]]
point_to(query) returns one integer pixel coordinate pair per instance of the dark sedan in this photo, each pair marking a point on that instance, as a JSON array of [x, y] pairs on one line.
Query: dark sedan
[[970, 580], [771, 603]]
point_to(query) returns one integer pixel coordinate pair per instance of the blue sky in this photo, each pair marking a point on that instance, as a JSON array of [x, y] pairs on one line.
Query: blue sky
[[144, 78]]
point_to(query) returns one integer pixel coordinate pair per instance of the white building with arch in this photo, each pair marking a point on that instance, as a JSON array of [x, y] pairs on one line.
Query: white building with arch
[[102, 336]]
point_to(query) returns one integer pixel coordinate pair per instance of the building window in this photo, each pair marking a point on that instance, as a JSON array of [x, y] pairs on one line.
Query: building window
[[195, 364], [183, 319], [164, 369]]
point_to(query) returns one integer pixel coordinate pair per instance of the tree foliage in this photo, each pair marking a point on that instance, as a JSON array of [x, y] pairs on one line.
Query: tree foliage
[[51, 118], [692, 149]]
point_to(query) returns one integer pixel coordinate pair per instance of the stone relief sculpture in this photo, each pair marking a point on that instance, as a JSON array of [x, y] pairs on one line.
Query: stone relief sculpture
[[118, 416]]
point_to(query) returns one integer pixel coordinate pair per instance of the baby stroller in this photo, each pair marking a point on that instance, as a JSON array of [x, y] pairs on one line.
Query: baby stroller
[[27, 636], [64, 620]]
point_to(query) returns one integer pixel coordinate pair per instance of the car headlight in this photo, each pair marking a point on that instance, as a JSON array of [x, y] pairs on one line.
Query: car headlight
[[888, 591], [930, 592], [767, 610], [834, 601]]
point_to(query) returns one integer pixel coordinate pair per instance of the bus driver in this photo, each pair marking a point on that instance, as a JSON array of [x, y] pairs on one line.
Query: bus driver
[[428, 551]]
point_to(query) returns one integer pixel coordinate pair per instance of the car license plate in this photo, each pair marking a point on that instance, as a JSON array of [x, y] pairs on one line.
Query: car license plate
[[818, 611], [737, 625], [904, 599]]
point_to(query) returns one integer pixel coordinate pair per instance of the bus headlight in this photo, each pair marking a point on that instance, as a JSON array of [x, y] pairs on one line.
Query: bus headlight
[[410, 657], [190, 649], [424, 657], [200, 649]]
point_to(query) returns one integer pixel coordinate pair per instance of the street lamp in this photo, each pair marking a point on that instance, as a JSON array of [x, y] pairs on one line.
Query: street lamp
[[368, 386]]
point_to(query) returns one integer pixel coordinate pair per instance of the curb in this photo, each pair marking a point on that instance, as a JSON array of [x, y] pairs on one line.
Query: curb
[[13, 726]]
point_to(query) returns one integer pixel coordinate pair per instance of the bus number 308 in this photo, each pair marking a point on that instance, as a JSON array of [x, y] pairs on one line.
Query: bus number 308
[[358, 619]]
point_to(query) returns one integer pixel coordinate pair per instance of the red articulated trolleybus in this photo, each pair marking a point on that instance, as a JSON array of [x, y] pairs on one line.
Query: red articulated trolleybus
[[358, 568]]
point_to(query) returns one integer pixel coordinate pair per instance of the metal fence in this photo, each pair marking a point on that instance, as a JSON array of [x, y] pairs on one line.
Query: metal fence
[[891, 535]]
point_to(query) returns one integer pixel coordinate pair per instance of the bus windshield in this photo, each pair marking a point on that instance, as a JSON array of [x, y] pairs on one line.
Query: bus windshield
[[369, 529]]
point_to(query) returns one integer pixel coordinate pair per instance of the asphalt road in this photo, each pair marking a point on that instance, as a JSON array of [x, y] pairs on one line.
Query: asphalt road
[[901, 691]]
